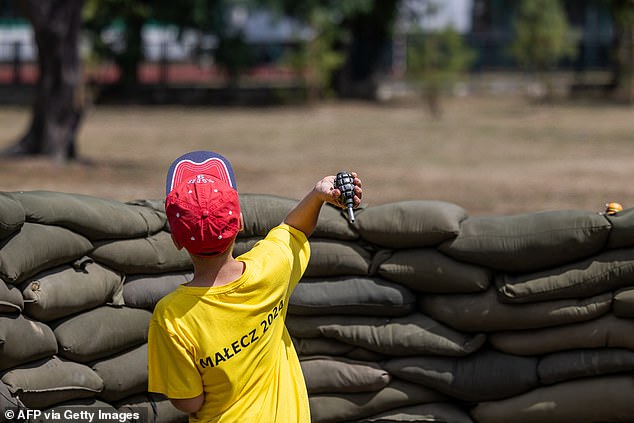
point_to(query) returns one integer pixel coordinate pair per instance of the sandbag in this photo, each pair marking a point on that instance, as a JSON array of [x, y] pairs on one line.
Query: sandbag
[[263, 212], [351, 295], [601, 273], [8, 401], [333, 224], [427, 270], [484, 375], [624, 303], [159, 409], [95, 218], [529, 242], [574, 364], [144, 291], [622, 232], [326, 374], [401, 336], [409, 224], [336, 258], [23, 340], [76, 407], [320, 346], [51, 381], [332, 408], [588, 400], [101, 332], [39, 247], [484, 312], [607, 331], [441, 412], [11, 299], [124, 374], [70, 289], [151, 255], [11, 215]]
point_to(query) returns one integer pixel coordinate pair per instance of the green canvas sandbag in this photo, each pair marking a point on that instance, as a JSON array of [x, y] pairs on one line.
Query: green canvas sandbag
[[263, 212], [144, 291], [23, 339], [52, 381], [70, 289], [624, 303], [601, 273], [607, 331], [123, 375], [440, 412], [320, 346], [159, 409], [151, 255], [36, 248], [427, 270], [76, 407], [324, 374], [484, 312], [574, 364], [11, 299], [332, 408], [336, 258], [8, 401], [622, 232], [400, 336], [588, 400], [410, 224], [11, 215], [482, 376], [529, 242], [351, 295], [101, 332], [93, 217]]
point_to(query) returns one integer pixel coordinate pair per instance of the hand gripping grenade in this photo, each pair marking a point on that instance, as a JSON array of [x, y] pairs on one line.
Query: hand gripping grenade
[[344, 182]]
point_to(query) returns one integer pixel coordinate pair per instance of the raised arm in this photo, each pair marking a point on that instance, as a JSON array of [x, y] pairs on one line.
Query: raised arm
[[305, 214]]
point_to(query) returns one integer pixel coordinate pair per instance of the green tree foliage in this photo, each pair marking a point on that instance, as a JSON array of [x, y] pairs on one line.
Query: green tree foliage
[[435, 61], [435, 58], [542, 37], [345, 54]]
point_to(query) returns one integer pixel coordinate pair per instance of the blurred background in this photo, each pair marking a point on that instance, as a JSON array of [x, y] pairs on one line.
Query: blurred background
[[498, 106]]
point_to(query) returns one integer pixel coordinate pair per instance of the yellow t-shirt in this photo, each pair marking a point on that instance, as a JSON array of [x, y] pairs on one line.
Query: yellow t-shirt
[[231, 343]]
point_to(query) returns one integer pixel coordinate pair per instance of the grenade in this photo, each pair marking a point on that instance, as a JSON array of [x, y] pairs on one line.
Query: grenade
[[344, 182]]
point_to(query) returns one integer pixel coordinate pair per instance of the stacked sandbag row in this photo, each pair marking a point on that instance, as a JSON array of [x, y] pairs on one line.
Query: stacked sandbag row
[[415, 313], [67, 338]]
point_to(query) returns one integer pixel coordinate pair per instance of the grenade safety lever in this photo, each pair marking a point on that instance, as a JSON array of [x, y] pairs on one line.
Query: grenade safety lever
[[344, 182]]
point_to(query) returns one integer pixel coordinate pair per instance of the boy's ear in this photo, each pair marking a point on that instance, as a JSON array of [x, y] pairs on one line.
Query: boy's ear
[[241, 222]]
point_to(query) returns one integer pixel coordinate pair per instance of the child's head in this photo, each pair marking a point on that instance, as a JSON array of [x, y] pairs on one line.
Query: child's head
[[202, 204]]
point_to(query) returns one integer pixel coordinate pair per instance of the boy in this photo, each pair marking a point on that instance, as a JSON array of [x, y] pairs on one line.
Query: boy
[[217, 346]]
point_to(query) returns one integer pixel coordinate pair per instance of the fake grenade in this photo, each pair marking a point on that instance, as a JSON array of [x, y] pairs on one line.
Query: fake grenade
[[344, 182]]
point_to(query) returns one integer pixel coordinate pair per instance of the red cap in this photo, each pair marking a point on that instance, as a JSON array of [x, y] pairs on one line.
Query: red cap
[[203, 210]]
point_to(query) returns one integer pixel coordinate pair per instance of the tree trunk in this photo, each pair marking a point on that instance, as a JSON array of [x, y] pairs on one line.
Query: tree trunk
[[365, 54], [59, 97], [623, 66]]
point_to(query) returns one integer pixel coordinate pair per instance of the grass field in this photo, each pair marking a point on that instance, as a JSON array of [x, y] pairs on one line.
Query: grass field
[[490, 155]]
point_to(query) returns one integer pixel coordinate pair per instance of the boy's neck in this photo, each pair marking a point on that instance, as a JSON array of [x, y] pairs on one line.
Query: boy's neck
[[216, 271]]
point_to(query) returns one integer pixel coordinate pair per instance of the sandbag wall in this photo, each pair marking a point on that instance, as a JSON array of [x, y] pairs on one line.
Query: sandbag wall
[[417, 312]]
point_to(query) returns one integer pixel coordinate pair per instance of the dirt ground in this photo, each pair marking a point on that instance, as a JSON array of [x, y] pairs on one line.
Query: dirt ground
[[491, 155]]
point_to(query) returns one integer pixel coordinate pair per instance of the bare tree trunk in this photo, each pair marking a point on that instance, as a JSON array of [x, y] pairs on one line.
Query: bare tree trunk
[[59, 97]]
